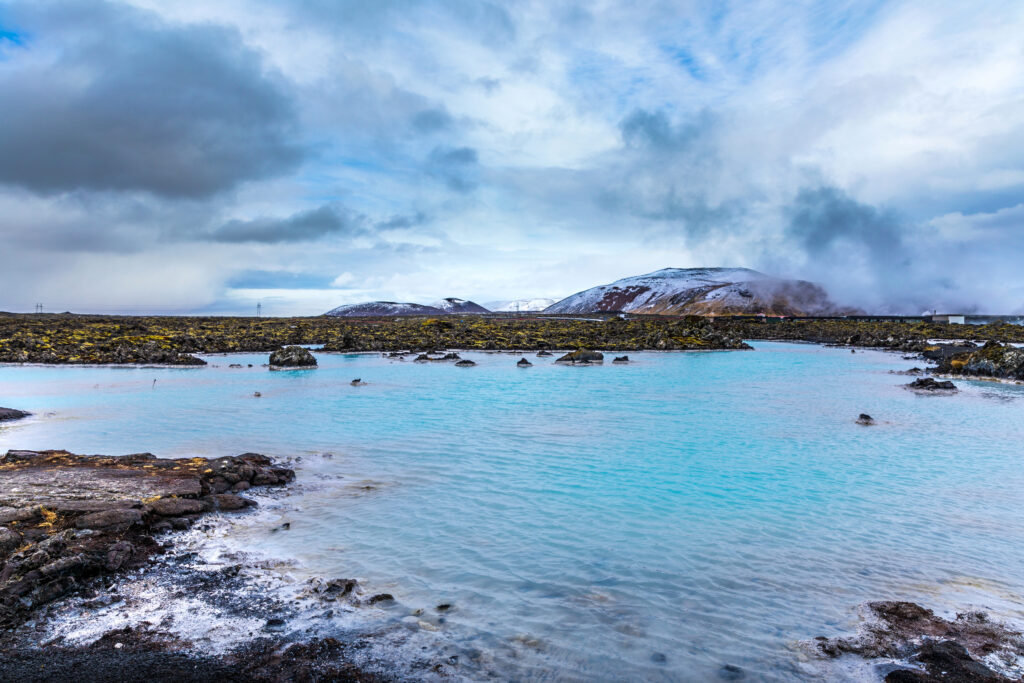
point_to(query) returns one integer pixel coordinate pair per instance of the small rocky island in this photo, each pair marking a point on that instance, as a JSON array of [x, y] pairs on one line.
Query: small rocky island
[[292, 357], [582, 356], [10, 414]]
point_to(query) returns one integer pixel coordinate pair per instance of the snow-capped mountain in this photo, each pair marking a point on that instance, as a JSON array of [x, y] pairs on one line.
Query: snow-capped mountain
[[374, 308], [702, 291], [521, 305], [459, 306]]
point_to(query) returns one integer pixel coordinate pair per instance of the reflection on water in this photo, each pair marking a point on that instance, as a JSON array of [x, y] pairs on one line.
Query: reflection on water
[[658, 520]]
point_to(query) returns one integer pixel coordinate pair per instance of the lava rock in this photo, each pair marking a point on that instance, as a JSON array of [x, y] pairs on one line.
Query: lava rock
[[121, 517], [118, 554], [10, 540], [176, 507], [621, 359], [227, 502], [582, 355], [292, 357], [865, 419], [465, 364], [731, 672], [339, 588], [12, 414], [942, 647], [930, 384], [946, 661], [523, 363]]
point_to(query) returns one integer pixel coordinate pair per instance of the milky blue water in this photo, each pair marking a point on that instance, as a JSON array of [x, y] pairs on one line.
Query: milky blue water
[[656, 520]]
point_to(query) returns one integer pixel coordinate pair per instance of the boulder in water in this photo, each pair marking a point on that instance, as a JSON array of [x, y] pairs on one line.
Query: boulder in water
[[12, 414], [621, 359], [543, 354], [292, 357], [465, 364], [582, 355], [865, 419], [931, 385], [523, 363]]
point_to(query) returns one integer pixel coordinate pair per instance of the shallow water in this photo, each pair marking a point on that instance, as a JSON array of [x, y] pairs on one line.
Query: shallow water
[[656, 520]]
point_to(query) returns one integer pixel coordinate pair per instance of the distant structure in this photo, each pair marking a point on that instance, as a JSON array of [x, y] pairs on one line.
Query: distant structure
[[950, 319], [39, 308], [259, 309]]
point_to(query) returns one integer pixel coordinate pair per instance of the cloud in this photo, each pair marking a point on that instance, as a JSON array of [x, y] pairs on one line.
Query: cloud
[[826, 218], [300, 227], [875, 147], [106, 97], [455, 166]]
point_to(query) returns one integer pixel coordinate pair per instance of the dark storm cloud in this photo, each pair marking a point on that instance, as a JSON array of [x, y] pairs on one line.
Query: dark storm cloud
[[107, 97], [402, 221], [300, 227], [432, 120], [654, 131], [826, 217], [456, 166], [858, 252]]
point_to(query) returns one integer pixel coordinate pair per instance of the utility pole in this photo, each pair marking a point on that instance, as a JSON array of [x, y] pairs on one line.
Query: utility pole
[[39, 308], [259, 309]]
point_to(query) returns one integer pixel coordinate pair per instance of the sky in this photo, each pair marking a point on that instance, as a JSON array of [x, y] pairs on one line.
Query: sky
[[198, 157]]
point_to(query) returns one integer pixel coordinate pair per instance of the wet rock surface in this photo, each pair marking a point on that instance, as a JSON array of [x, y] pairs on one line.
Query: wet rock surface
[[582, 356], [999, 361], [140, 654], [930, 385], [969, 647], [292, 357], [113, 603], [66, 518], [12, 414]]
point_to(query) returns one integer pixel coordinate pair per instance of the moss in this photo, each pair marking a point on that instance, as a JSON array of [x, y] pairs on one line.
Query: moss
[[118, 339]]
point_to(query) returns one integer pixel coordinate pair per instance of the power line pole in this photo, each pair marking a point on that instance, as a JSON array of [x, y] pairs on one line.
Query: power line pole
[[39, 308], [259, 309]]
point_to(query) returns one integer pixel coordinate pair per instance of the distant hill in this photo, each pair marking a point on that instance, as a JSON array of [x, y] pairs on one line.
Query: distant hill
[[459, 306], [702, 291], [373, 308], [521, 305]]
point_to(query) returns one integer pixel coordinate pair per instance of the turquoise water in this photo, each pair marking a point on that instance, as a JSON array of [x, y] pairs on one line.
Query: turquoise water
[[656, 521]]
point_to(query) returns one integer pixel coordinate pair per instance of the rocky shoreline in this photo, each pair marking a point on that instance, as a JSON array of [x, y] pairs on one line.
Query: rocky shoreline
[[94, 339], [91, 339], [911, 644], [77, 528]]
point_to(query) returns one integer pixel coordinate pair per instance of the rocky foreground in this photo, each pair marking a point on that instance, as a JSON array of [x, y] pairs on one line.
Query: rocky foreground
[[969, 648], [66, 518], [69, 524]]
